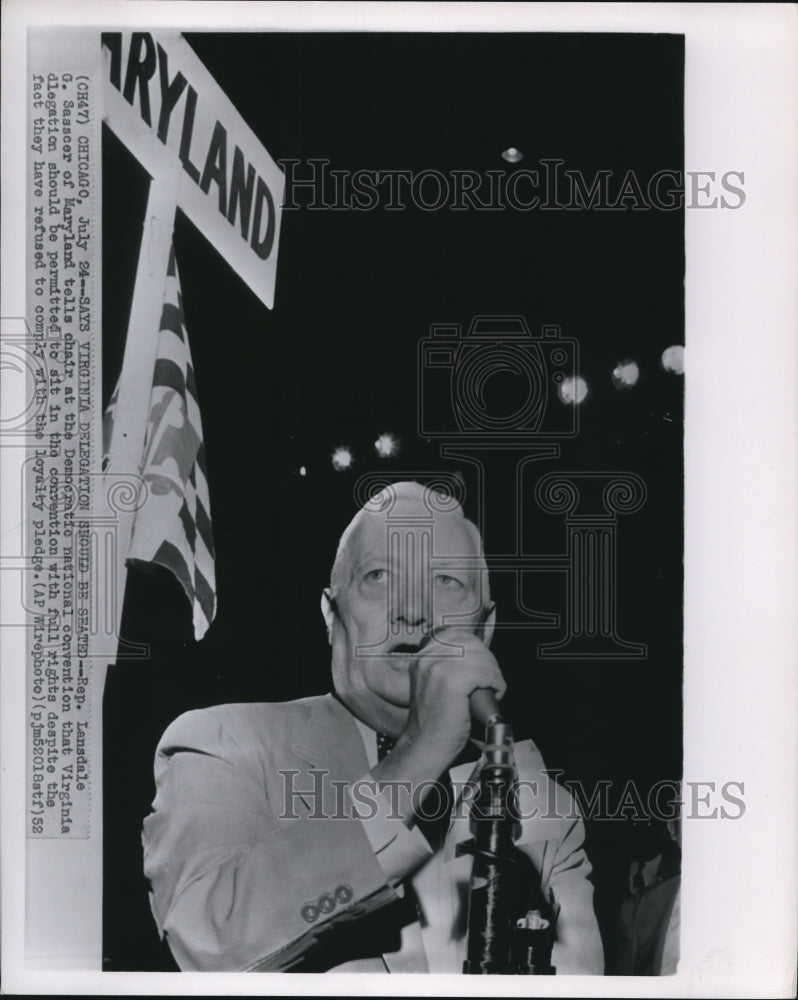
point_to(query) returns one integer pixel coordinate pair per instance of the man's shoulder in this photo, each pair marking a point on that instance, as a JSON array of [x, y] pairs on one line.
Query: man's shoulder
[[244, 724]]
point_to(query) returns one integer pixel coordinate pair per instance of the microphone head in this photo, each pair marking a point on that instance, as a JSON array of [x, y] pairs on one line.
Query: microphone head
[[484, 706]]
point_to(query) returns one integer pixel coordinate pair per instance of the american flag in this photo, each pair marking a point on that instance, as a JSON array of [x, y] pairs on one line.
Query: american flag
[[173, 527]]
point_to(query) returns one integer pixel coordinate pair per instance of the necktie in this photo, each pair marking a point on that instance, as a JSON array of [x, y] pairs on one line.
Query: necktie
[[384, 745], [438, 805]]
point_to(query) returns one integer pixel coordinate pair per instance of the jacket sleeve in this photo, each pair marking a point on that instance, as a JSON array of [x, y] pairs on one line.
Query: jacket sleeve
[[237, 881], [577, 945], [553, 836]]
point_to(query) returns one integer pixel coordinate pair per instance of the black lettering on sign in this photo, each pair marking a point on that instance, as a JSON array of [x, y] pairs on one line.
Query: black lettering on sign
[[170, 93], [140, 70], [246, 189]]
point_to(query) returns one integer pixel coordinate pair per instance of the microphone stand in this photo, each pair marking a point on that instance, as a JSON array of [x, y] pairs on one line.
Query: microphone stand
[[504, 936]]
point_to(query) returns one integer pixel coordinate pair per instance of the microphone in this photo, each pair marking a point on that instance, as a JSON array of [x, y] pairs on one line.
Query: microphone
[[484, 706]]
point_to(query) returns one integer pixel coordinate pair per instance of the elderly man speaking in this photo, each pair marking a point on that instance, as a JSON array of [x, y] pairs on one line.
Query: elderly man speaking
[[301, 836]]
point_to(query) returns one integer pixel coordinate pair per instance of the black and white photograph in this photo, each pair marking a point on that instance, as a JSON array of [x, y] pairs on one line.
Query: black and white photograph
[[370, 516], [446, 353]]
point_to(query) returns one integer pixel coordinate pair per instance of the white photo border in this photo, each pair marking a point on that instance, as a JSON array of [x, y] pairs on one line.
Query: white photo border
[[741, 113]]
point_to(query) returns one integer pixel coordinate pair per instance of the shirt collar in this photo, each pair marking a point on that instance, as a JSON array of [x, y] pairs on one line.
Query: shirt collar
[[369, 737]]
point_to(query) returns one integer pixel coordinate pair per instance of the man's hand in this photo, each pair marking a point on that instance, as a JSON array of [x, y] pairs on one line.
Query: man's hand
[[439, 718], [441, 682]]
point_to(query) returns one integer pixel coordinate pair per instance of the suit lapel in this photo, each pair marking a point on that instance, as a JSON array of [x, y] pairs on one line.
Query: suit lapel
[[464, 781], [331, 741]]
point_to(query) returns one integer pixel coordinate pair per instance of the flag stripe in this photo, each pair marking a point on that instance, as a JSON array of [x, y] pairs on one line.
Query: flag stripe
[[108, 426], [168, 374], [173, 353], [205, 595], [188, 525], [172, 319], [204, 526], [191, 385]]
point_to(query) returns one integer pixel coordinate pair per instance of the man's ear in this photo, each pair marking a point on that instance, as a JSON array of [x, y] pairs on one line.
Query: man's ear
[[328, 611], [488, 623]]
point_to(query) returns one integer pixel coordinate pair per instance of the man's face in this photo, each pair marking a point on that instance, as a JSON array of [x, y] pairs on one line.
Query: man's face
[[406, 576]]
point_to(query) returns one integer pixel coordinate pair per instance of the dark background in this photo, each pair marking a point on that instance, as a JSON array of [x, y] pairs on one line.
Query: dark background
[[334, 363]]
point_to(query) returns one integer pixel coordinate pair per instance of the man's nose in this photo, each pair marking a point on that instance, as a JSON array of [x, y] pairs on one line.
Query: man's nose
[[410, 604], [411, 610]]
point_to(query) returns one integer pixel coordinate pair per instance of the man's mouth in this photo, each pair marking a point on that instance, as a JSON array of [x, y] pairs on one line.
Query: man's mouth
[[405, 649]]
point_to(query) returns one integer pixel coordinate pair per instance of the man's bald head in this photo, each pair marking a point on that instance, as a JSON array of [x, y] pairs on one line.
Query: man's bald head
[[411, 503]]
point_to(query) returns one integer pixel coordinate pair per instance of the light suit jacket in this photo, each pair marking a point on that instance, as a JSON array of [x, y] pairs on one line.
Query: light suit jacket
[[256, 858]]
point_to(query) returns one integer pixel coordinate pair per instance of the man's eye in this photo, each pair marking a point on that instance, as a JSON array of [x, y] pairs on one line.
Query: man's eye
[[447, 582], [375, 576]]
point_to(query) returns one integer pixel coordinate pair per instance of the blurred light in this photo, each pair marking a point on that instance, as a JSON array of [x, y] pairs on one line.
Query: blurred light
[[673, 359], [302, 470], [386, 445], [572, 389], [512, 155], [625, 375], [342, 459]]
